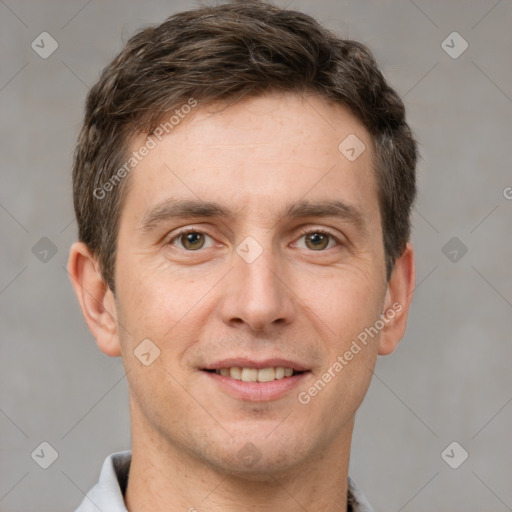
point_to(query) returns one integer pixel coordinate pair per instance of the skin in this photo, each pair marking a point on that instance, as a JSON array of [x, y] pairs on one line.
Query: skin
[[294, 301]]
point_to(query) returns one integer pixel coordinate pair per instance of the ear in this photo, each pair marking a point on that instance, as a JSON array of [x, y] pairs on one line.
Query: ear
[[397, 301], [95, 297]]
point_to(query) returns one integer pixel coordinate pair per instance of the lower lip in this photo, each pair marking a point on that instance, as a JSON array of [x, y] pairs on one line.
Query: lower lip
[[257, 391]]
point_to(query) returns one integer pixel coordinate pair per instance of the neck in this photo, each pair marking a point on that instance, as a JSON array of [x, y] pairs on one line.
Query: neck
[[167, 477]]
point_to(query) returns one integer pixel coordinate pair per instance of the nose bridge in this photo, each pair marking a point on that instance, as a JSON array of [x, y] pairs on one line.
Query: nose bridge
[[256, 294]]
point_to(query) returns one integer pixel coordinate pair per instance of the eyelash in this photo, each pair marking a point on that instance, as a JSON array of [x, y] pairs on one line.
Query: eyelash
[[302, 232]]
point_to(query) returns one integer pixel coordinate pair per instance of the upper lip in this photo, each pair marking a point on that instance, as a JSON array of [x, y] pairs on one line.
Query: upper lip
[[243, 362]]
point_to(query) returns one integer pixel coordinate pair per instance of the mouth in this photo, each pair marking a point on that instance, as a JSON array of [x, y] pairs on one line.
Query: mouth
[[253, 381]]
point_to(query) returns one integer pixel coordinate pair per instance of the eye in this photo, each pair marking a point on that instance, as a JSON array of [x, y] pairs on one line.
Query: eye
[[319, 240], [191, 240], [314, 239]]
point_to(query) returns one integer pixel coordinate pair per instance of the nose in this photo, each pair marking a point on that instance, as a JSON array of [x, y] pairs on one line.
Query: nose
[[258, 294]]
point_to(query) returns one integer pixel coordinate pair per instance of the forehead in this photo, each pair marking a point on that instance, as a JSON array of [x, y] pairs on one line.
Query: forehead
[[256, 155]]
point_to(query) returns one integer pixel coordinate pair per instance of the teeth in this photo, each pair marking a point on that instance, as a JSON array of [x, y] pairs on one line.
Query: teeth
[[266, 374], [235, 373], [254, 374], [249, 374]]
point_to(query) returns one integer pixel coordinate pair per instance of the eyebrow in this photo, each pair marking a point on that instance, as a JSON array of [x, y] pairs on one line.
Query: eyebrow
[[186, 208]]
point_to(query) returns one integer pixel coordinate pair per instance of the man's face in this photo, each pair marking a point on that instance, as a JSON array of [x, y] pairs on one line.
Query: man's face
[[271, 284]]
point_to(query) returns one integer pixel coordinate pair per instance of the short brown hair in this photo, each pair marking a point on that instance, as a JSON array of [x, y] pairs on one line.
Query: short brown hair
[[225, 53]]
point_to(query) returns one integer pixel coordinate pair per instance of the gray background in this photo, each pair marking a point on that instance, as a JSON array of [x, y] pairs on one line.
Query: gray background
[[449, 380]]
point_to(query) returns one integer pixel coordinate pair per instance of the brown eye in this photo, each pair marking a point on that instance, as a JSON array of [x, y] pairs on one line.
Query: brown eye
[[317, 241], [190, 240]]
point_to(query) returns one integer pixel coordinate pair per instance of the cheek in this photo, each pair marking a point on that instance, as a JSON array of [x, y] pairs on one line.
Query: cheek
[[340, 311], [346, 302], [162, 305], [342, 314]]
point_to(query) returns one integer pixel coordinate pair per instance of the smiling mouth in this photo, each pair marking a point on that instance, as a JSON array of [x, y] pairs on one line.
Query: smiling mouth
[[256, 374]]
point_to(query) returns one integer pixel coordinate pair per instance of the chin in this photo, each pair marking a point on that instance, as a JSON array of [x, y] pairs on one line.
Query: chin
[[261, 460]]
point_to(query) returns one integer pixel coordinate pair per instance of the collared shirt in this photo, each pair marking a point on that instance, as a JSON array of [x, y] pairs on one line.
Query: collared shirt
[[107, 494]]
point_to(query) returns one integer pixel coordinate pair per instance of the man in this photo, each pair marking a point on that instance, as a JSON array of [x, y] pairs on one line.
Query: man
[[243, 183]]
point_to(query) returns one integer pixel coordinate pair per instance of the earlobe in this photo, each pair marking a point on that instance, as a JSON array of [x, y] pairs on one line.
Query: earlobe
[[398, 300], [95, 298]]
